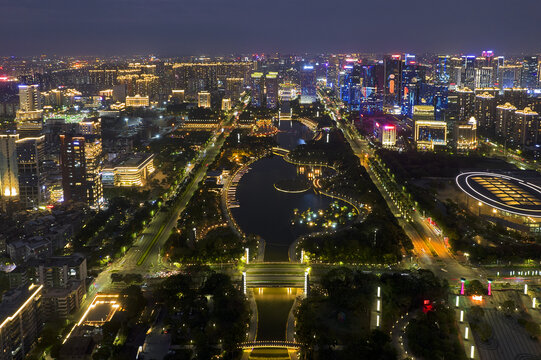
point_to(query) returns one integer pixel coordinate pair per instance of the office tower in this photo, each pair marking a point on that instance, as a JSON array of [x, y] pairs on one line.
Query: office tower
[[529, 72], [81, 164], [466, 99], [308, 84], [29, 116], [442, 70], [412, 79], [393, 76], [466, 135], [257, 86], [20, 321], [509, 76], [271, 89], [90, 127], [385, 132], [505, 115], [525, 129], [350, 84], [30, 156], [9, 177], [485, 112], [203, 99], [484, 77], [468, 71], [226, 104]]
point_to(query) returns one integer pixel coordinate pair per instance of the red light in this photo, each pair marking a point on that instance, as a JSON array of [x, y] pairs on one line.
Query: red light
[[477, 297], [389, 127], [395, 56], [50, 206], [377, 124]]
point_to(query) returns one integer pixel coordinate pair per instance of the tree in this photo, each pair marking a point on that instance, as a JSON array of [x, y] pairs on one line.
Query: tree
[[508, 307], [533, 329]]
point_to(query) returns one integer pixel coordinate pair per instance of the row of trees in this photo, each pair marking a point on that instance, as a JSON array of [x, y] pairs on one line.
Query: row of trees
[[206, 311]]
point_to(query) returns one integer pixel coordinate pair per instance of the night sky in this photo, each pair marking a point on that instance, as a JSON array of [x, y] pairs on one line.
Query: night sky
[[181, 27]]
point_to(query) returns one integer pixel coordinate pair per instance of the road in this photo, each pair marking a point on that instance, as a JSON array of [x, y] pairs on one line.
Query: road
[[144, 255], [429, 248]]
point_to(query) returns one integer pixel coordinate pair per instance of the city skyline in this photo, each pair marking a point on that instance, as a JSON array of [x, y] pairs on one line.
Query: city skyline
[[213, 27]]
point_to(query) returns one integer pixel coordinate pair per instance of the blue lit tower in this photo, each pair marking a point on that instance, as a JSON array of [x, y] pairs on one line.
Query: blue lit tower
[[308, 84]]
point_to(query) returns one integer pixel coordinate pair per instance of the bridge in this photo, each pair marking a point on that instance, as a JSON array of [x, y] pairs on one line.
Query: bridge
[[279, 151], [283, 275], [290, 345]]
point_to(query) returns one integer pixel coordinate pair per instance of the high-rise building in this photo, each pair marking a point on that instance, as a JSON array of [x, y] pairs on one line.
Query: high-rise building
[[429, 134], [442, 70], [29, 118], [20, 321], [525, 129], [226, 104], [203, 99], [29, 98], [485, 112], [81, 164], [393, 76], [517, 97], [9, 174], [423, 112], [529, 72], [233, 88], [466, 135], [484, 77], [271, 89], [468, 71], [509, 76], [308, 84], [177, 96], [505, 115], [466, 100], [257, 86], [30, 156]]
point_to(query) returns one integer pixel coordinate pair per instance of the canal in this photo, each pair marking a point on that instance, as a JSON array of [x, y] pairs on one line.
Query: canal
[[267, 212]]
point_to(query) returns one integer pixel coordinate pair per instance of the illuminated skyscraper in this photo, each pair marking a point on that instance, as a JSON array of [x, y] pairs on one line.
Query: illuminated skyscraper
[[441, 70], [529, 72], [504, 119], [525, 128], [257, 86], [485, 112], [393, 77], [271, 89], [30, 156], [81, 164], [466, 100], [308, 84], [203, 99], [9, 180], [29, 116]]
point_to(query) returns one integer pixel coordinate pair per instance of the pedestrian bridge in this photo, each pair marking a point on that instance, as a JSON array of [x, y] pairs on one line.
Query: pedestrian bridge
[[290, 345]]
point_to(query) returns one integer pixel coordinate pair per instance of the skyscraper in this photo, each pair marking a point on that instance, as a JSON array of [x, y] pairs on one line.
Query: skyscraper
[[29, 116], [203, 99], [30, 156], [485, 112], [393, 77], [529, 72], [81, 164], [9, 180], [271, 89], [257, 86], [308, 84]]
